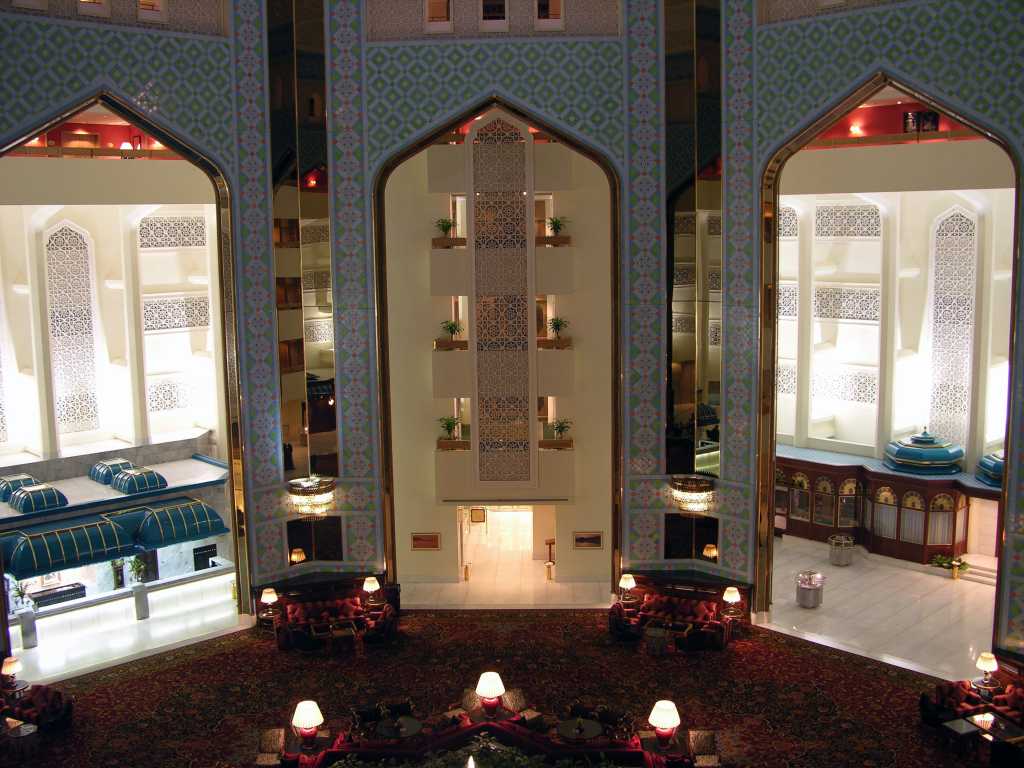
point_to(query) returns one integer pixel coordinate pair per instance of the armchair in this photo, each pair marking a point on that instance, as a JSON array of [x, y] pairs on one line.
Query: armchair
[[43, 706], [1010, 703], [950, 701]]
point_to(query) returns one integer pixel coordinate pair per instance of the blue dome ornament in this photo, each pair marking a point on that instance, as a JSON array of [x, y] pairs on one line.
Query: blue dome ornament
[[990, 469], [924, 454]]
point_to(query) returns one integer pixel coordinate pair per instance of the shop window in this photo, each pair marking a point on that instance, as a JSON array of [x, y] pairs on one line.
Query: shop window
[[885, 513], [319, 539], [800, 501], [912, 518], [99, 8], [849, 504], [549, 15], [940, 520], [782, 500], [493, 16], [687, 535], [202, 557], [824, 503], [153, 11]]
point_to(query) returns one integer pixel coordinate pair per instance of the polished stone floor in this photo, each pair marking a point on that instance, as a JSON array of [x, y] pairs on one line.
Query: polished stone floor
[[503, 573], [919, 619], [102, 635]]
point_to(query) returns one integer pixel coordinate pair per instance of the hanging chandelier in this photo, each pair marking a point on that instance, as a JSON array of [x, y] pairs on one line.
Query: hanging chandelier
[[312, 496], [693, 493]]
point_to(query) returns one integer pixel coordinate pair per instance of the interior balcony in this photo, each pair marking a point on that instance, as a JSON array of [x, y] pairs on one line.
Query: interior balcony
[[453, 373], [455, 473], [451, 271]]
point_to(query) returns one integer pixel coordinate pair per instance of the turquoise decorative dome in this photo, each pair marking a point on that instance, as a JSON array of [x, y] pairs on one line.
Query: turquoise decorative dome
[[990, 469], [924, 454]]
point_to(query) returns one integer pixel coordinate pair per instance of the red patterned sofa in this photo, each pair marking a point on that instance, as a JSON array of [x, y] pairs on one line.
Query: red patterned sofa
[[42, 706], [1010, 703], [950, 701], [673, 612], [300, 623]]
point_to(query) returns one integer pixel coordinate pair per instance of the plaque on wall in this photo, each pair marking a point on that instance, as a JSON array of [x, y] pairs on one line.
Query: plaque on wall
[[426, 541]]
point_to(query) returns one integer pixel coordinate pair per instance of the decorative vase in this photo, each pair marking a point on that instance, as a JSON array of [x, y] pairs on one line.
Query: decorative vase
[[956, 572]]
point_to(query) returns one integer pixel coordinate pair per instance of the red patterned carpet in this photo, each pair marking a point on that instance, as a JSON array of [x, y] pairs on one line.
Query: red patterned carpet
[[775, 700]]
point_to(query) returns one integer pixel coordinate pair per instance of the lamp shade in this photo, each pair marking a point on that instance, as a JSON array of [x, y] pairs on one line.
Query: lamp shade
[[986, 662], [664, 715], [627, 581], [370, 584], [307, 716], [298, 555], [269, 596], [12, 666], [490, 686], [710, 551], [126, 145], [731, 595]]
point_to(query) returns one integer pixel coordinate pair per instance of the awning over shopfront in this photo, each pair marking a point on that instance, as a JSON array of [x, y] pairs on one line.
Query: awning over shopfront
[[48, 547]]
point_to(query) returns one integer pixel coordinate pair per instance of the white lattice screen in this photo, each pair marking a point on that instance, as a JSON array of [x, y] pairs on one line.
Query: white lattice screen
[[70, 299], [954, 266], [503, 331]]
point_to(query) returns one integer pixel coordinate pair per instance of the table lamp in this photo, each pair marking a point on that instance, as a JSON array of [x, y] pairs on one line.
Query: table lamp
[[665, 719], [626, 583], [372, 586], [297, 556], [305, 722], [490, 690], [732, 598], [267, 599], [986, 663], [10, 670]]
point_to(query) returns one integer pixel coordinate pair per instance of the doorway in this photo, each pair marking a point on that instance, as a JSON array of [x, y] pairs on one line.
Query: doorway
[[888, 265]]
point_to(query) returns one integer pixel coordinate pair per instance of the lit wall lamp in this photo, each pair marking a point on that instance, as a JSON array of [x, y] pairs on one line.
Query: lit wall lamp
[[693, 493]]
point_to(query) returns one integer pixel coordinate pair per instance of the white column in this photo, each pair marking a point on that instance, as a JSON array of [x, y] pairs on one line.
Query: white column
[[215, 295], [887, 322], [36, 270], [804, 323], [975, 447], [135, 350]]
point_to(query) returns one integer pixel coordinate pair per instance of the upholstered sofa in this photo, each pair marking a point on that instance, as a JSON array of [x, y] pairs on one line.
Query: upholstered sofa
[[675, 613], [950, 701], [1010, 703], [42, 706], [302, 624]]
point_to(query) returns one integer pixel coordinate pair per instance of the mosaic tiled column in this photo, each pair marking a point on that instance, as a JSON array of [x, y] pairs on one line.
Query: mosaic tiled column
[[504, 405]]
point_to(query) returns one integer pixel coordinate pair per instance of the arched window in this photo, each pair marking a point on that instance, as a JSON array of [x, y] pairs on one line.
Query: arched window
[[885, 513], [849, 503], [951, 320], [940, 520], [800, 508], [912, 518], [824, 502], [71, 317]]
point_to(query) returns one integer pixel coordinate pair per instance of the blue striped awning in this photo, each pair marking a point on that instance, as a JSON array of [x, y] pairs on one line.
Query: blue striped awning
[[37, 498], [104, 471], [138, 480], [11, 483], [27, 553], [189, 520]]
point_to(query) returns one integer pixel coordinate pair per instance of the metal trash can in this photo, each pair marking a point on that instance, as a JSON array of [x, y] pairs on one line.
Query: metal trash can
[[810, 589], [840, 549]]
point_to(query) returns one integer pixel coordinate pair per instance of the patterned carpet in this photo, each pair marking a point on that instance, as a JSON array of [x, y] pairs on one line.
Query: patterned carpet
[[775, 700]]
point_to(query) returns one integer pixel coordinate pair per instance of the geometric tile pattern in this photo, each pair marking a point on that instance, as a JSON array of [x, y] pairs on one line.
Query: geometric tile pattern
[[167, 394], [778, 78], [788, 304], [845, 383], [197, 17], [70, 300], [172, 232], [788, 223], [951, 321], [318, 330], [833, 302], [165, 313]]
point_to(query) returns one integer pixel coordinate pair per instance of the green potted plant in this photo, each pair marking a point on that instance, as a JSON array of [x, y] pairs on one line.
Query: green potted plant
[[117, 567], [137, 568], [453, 328], [560, 428], [556, 325], [556, 224], [955, 565], [21, 593], [449, 442], [446, 226]]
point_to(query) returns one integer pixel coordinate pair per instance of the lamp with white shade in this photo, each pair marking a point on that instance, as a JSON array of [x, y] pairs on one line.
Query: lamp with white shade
[[490, 689], [987, 664], [306, 721], [732, 598], [268, 598], [626, 583], [372, 587], [664, 718], [10, 670]]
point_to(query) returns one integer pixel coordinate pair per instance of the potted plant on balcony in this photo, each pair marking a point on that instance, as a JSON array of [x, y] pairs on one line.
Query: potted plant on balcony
[[453, 328], [445, 227], [556, 325], [560, 442], [449, 442], [955, 565], [556, 224]]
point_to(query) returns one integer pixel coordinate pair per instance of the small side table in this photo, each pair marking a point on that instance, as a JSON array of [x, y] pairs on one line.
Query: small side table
[[14, 693], [24, 741], [961, 734], [986, 690]]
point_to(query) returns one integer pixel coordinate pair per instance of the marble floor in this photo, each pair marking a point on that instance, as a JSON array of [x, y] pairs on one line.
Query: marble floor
[[100, 636], [503, 573], [919, 619]]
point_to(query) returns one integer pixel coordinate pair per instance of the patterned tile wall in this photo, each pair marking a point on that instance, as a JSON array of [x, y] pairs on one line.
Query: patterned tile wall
[[200, 16], [778, 79]]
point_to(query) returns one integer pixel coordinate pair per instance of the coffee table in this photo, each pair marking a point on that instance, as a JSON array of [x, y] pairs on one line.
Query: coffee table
[[579, 729], [961, 734], [993, 727], [23, 739], [401, 728]]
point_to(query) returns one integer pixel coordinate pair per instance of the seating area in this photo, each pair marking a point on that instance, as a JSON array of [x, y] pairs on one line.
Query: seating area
[[484, 719], [684, 620], [975, 715], [309, 623], [28, 714]]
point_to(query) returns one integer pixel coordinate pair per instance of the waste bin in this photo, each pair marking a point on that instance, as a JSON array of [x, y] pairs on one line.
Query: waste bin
[[840, 549], [810, 588]]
